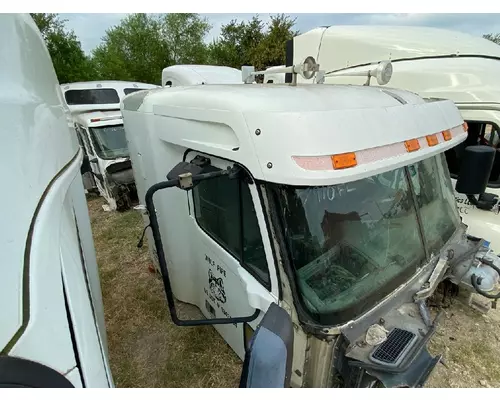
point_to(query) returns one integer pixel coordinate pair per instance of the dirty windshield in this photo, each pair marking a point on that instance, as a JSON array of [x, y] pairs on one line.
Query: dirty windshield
[[353, 243], [110, 141]]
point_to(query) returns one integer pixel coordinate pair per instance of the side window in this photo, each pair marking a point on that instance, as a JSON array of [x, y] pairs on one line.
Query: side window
[[84, 137], [224, 209]]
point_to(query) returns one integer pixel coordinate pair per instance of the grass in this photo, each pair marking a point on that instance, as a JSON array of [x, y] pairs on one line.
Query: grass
[[147, 350]]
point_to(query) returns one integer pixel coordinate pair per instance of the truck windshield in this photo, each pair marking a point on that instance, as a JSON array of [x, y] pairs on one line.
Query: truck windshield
[[110, 141], [352, 244]]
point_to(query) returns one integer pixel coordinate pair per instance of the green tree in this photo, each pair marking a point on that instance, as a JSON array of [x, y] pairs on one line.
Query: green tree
[[184, 33], [495, 38], [134, 50], [237, 43], [271, 50], [253, 42], [69, 60]]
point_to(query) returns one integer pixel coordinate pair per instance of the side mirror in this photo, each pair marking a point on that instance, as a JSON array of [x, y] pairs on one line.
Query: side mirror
[[475, 169], [268, 360], [85, 167]]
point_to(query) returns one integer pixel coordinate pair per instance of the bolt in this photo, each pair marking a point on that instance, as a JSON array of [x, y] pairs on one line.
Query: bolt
[[269, 165], [257, 132]]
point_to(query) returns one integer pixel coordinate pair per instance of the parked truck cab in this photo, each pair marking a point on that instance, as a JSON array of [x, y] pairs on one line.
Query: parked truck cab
[[95, 107], [279, 194], [435, 64]]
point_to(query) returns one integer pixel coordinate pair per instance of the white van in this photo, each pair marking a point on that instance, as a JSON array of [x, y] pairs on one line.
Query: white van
[[435, 64]]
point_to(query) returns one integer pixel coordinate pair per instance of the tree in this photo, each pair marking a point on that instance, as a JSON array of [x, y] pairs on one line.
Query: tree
[[237, 43], [271, 50], [70, 62], [495, 38], [185, 33], [142, 45], [253, 42], [135, 50]]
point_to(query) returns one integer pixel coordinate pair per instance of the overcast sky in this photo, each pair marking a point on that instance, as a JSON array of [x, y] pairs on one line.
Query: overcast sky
[[90, 28]]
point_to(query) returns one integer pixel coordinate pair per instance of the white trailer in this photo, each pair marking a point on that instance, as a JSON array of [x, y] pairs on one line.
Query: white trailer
[[434, 63], [332, 201]]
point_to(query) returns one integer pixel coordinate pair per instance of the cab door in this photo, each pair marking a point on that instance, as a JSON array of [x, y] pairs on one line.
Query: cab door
[[232, 252]]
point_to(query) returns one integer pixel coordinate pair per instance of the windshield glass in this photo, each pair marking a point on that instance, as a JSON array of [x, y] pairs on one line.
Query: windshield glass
[[110, 141], [352, 244], [435, 200]]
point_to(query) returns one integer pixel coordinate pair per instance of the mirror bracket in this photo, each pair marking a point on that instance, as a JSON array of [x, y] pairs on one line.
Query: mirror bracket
[[186, 181]]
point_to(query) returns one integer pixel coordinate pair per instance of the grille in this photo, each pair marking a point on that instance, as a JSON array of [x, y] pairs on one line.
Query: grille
[[393, 348]]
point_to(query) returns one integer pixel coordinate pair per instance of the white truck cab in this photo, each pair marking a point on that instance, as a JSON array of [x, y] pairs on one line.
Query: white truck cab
[[187, 75], [434, 63], [95, 107], [332, 201], [102, 136]]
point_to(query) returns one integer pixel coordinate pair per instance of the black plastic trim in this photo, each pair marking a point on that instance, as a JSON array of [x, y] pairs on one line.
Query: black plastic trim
[[289, 59]]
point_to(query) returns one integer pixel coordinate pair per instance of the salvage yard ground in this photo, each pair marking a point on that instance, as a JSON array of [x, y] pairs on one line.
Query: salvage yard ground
[[147, 350]]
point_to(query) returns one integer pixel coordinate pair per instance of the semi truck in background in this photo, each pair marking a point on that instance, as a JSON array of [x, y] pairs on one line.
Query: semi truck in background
[[435, 64], [97, 121], [52, 331]]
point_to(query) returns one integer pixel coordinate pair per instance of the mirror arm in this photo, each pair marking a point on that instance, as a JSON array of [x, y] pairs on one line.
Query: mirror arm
[[153, 220]]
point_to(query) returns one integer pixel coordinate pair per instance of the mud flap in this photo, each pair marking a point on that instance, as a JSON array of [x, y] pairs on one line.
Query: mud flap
[[413, 377]]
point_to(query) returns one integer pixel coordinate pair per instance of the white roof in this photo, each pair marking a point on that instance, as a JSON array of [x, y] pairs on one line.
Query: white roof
[[301, 121], [424, 59], [182, 75], [353, 45]]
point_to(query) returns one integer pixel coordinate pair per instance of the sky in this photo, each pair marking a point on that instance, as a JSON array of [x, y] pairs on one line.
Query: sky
[[90, 28]]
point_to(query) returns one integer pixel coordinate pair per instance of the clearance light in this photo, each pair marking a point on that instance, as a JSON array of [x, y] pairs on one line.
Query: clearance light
[[371, 155], [111, 117], [346, 160], [412, 145], [446, 134], [432, 140], [465, 126]]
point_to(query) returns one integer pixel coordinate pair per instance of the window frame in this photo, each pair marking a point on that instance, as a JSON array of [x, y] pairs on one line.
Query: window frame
[[239, 257], [83, 132]]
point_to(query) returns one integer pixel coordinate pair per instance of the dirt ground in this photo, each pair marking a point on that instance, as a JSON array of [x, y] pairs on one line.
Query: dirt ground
[[147, 350]]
